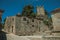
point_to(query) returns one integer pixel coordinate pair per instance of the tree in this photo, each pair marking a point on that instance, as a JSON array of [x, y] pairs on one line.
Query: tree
[[48, 21], [27, 10], [33, 14], [4, 22]]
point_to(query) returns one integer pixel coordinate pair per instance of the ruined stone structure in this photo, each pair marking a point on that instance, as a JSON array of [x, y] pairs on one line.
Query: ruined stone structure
[[40, 11], [22, 25]]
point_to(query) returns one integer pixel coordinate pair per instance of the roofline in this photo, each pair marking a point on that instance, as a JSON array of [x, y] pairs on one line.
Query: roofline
[[55, 11]]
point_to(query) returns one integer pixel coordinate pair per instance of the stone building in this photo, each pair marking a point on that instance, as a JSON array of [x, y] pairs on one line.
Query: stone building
[[22, 25], [56, 21]]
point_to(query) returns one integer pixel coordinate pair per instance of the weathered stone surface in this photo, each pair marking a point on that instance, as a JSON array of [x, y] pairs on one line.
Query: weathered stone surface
[[56, 21], [24, 25], [15, 37]]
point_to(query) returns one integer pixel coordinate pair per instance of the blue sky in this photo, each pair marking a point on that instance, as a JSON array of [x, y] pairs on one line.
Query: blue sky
[[12, 7]]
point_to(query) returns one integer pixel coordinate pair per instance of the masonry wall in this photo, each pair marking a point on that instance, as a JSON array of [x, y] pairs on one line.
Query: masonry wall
[[24, 25], [56, 21], [9, 26]]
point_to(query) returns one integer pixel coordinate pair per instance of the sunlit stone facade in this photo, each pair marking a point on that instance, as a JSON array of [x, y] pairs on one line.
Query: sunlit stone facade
[[56, 21], [24, 25]]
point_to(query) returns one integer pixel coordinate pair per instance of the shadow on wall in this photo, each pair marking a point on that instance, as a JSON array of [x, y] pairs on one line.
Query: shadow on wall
[[2, 34]]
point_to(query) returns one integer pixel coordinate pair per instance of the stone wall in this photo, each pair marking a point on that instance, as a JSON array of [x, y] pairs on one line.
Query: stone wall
[[15, 37], [56, 21], [51, 38], [24, 25], [9, 26]]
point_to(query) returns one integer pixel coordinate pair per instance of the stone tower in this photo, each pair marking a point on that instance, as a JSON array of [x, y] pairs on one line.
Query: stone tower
[[40, 11]]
